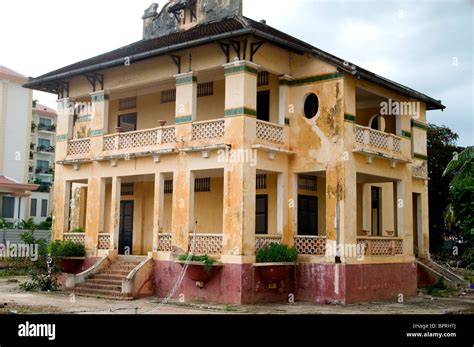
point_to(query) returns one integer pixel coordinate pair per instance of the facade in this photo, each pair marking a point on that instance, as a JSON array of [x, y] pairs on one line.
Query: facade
[[41, 167], [15, 118], [218, 134]]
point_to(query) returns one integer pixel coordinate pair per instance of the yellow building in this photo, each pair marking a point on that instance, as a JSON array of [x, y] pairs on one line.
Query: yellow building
[[222, 134]]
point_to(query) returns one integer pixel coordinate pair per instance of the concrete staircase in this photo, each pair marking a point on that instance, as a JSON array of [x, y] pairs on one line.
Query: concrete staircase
[[438, 270], [107, 284]]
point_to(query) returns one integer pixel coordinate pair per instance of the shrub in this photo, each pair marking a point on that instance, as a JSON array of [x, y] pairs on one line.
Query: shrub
[[277, 253], [205, 259], [79, 231], [468, 257], [62, 249]]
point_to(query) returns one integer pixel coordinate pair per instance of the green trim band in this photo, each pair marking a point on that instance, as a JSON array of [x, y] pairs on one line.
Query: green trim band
[[349, 117], [99, 97], [419, 125], [186, 80], [94, 133], [406, 134], [420, 156], [311, 79], [61, 138], [240, 111], [83, 119], [242, 68], [287, 121], [184, 119]]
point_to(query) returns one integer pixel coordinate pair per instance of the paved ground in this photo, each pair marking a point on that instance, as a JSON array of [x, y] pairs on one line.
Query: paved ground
[[15, 301]]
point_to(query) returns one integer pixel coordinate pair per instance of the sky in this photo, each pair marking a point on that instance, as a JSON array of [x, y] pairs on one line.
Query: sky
[[424, 44]]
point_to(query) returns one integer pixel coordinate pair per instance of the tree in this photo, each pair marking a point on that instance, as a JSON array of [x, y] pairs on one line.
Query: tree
[[441, 149], [459, 213]]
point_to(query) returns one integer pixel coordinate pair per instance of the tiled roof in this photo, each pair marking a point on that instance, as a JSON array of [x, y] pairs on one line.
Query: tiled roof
[[211, 32], [11, 184], [39, 108], [9, 74]]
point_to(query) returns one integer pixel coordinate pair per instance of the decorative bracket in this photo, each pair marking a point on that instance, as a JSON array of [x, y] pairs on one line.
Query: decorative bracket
[[254, 47], [94, 79], [177, 61], [226, 49]]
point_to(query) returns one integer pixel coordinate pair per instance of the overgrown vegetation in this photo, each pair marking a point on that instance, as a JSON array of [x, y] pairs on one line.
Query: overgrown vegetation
[[277, 253], [45, 270], [63, 249], [440, 289], [205, 259], [26, 224]]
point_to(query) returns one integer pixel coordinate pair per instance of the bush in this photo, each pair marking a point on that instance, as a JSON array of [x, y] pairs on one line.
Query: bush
[[277, 253], [205, 259], [62, 249], [468, 257]]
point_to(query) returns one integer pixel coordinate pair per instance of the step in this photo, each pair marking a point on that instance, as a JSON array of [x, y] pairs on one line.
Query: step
[[122, 268], [111, 287], [105, 294], [116, 273], [117, 282], [108, 277]]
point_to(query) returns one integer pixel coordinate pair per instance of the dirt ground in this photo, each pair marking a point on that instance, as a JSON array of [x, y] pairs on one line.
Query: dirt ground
[[15, 301]]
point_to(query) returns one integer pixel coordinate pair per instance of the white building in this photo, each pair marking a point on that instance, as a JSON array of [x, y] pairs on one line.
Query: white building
[[15, 120], [41, 168]]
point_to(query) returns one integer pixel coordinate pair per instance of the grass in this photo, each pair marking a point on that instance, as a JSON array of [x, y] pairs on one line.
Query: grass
[[11, 272], [440, 289]]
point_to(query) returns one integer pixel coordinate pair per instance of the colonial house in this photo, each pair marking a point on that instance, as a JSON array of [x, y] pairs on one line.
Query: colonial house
[[219, 134]]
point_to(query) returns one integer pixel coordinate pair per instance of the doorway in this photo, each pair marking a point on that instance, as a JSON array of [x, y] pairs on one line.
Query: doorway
[[417, 227], [126, 228], [307, 215], [261, 215], [376, 209]]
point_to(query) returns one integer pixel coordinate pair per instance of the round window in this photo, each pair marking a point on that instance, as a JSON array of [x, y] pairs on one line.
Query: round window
[[311, 106]]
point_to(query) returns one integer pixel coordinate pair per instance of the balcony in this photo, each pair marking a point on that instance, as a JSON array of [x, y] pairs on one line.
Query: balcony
[[45, 149], [378, 143], [381, 246], [202, 135], [44, 170], [47, 128]]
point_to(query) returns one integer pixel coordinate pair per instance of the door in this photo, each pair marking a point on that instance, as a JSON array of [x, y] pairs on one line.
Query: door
[[376, 218], [307, 215], [417, 227], [126, 228], [263, 106], [261, 215]]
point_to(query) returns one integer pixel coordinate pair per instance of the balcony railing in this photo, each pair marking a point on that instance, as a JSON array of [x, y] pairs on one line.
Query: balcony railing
[[44, 170], [206, 243], [77, 148], [381, 246], [207, 130], [311, 245], [378, 140], [165, 243], [105, 241], [75, 237], [45, 127], [139, 139], [263, 241], [270, 132], [47, 149]]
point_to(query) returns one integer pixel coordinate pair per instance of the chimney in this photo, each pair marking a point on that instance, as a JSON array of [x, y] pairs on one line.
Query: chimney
[[150, 13]]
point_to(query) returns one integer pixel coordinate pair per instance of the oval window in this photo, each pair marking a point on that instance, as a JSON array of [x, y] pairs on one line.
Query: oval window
[[311, 106]]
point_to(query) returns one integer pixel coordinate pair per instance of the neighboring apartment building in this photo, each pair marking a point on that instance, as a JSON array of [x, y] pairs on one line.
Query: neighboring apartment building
[[15, 119], [41, 167], [224, 126]]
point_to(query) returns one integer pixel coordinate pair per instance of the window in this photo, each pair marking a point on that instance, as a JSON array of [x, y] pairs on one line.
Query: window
[[45, 121], [205, 89], [127, 189], [202, 185], [261, 215], [169, 187], [262, 79], [8, 207], [261, 182], [128, 104], [128, 122], [42, 164], [263, 106], [44, 208], [307, 215], [44, 143], [311, 106], [34, 205], [309, 183], [168, 96]]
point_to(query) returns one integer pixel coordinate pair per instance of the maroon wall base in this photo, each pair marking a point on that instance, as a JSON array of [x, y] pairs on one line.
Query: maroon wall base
[[425, 277], [242, 284], [87, 264]]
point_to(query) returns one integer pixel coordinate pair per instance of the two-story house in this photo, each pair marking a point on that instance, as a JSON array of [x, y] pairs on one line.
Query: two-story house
[[221, 134]]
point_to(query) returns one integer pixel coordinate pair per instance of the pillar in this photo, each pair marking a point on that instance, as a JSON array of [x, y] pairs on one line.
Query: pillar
[[115, 211], [284, 112], [99, 120], [282, 206], [405, 215], [64, 127], [158, 208], [186, 98], [62, 191], [95, 210], [183, 222]]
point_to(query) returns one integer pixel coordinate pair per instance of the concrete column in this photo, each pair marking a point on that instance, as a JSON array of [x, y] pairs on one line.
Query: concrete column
[[186, 97], [241, 88], [64, 127], [99, 120], [95, 210], [292, 210], [424, 252], [405, 215], [284, 112], [62, 191], [349, 207], [158, 208], [183, 208], [282, 206], [115, 211]]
